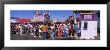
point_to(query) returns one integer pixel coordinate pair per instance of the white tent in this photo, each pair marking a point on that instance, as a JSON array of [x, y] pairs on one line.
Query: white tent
[[13, 21]]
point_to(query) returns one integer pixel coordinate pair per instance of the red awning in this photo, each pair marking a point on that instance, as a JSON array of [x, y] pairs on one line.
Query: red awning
[[24, 21]]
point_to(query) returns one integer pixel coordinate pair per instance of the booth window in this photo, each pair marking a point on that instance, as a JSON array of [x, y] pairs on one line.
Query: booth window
[[85, 26]]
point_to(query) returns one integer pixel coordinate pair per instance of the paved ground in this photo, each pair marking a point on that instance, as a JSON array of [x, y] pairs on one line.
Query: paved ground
[[24, 37], [30, 37]]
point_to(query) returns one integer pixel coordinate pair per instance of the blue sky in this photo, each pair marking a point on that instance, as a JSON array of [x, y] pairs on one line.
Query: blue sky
[[59, 14]]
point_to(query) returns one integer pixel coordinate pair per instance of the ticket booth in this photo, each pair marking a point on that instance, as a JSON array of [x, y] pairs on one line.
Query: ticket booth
[[88, 26]]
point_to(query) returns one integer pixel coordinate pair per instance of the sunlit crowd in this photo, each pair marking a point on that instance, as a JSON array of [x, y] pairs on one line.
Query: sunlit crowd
[[56, 31]]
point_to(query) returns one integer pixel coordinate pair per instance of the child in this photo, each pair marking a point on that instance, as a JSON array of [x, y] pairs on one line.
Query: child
[[65, 33], [53, 34], [79, 32]]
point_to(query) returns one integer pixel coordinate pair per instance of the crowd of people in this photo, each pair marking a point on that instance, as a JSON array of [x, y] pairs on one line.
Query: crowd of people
[[56, 31], [69, 28]]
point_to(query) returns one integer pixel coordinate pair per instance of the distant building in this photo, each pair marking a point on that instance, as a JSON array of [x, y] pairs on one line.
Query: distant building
[[38, 17]]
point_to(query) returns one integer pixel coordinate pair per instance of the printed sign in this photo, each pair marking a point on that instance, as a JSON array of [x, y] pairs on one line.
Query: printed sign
[[87, 16]]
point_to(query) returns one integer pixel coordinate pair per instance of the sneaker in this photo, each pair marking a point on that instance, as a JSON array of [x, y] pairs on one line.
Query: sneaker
[[40, 36], [71, 36], [31, 33], [35, 36]]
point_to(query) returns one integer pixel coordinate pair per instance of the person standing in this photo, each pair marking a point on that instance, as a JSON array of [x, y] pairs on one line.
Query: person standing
[[53, 34], [37, 30], [44, 29], [34, 29], [40, 32], [30, 28], [49, 32], [71, 30], [21, 30], [25, 29], [17, 29], [56, 30], [66, 32], [60, 31]]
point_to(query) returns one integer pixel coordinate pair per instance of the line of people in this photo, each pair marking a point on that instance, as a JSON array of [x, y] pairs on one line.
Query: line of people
[[57, 31]]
